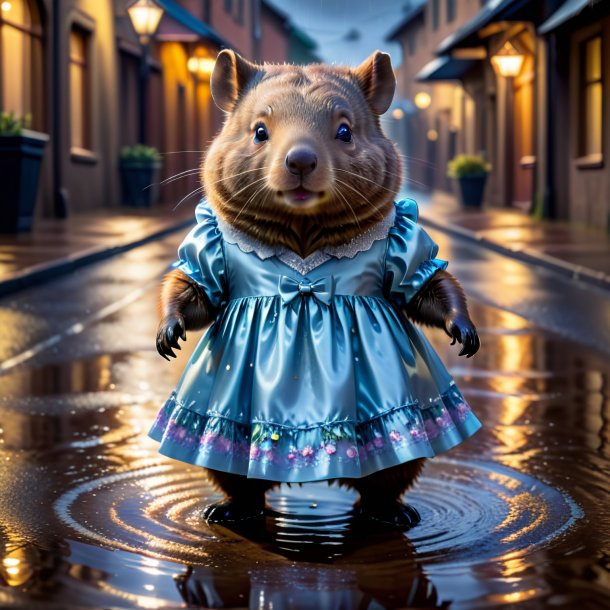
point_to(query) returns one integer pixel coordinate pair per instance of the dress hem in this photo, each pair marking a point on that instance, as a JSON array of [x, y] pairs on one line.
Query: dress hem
[[332, 450]]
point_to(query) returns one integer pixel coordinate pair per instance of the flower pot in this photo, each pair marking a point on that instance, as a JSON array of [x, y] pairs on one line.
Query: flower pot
[[472, 189], [20, 161], [139, 183]]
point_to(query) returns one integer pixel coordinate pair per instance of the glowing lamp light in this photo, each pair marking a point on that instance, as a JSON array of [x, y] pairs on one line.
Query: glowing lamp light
[[422, 100], [398, 114], [507, 61], [5, 7], [201, 66], [145, 16], [432, 135]]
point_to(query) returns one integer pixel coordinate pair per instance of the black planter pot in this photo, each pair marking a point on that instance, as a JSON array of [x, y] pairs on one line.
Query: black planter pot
[[139, 183], [472, 189], [20, 161]]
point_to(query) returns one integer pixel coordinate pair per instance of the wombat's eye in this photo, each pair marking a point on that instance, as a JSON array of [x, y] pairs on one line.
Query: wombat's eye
[[260, 133], [344, 133]]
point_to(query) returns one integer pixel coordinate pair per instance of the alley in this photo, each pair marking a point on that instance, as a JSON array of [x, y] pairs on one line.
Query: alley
[[91, 515]]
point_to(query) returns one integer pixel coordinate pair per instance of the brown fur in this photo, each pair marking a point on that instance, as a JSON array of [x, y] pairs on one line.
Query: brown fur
[[246, 184], [181, 296], [246, 181], [442, 296]]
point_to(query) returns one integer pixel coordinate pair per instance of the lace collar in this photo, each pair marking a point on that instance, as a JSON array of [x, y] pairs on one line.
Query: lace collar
[[360, 243]]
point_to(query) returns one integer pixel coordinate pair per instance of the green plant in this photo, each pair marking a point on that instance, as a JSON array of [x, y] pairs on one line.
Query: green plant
[[140, 153], [467, 166], [11, 125]]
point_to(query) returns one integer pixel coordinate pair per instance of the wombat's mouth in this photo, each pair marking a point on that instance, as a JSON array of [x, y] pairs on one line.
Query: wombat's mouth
[[300, 196]]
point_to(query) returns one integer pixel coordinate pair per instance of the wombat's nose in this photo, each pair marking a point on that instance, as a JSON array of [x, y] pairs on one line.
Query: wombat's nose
[[301, 161]]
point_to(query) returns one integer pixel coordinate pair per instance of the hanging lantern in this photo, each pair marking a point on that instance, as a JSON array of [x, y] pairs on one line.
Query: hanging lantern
[[507, 62], [145, 16], [201, 67]]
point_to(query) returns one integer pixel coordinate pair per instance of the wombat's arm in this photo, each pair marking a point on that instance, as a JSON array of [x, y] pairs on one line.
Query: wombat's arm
[[442, 303], [184, 306]]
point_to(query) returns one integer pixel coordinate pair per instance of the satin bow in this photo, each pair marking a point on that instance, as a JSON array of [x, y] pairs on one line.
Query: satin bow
[[321, 290]]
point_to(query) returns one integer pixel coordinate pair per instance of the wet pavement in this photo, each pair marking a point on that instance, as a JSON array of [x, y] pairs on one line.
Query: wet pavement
[[92, 517]]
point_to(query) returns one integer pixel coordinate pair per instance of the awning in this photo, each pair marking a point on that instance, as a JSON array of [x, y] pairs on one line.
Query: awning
[[565, 12], [445, 68], [178, 24], [494, 10], [412, 10]]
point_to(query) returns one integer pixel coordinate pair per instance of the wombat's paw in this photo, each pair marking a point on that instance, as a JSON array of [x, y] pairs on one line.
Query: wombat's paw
[[170, 329], [463, 331], [397, 515], [228, 511]]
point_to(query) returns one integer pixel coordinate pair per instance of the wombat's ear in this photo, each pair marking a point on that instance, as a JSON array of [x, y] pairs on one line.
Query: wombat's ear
[[377, 80], [230, 75]]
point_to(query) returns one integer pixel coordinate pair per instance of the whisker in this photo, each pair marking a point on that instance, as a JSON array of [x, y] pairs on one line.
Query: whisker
[[362, 199], [197, 190], [340, 194], [181, 152], [258, 190], [338, 169], [248, 186]]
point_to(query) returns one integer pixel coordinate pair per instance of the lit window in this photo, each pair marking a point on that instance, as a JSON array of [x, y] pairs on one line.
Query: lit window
[[591, 97], [21, 60], [79, 88]]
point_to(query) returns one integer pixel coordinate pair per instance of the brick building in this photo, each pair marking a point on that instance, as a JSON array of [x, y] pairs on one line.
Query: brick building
[[75, 67]]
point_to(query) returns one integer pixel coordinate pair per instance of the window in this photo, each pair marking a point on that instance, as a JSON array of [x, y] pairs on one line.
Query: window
[[591, 92], [434, 6], [412, 43], [21, 77], [450, 10], [80, 136], [228, 6], [239, 17]]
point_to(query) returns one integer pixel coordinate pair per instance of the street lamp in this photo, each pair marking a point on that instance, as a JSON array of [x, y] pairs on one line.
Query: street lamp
[[422, 100], [507, 62], [145, 16], [201, 67]]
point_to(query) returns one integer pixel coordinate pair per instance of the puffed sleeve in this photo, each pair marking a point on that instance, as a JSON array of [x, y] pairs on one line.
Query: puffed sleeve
[[201, 256], [410, 256]]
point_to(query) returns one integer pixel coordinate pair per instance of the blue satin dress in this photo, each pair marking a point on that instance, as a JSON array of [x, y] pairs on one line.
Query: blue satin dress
[[310, 370]]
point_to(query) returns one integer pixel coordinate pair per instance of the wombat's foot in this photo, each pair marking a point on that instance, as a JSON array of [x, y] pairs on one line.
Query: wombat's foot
[[228, 511], [394, 514]]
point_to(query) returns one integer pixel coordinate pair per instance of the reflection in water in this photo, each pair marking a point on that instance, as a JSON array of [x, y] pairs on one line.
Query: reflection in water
[[91, 514]]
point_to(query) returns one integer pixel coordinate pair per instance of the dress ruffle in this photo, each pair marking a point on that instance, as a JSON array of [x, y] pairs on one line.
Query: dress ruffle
[[410, 259], [337, 449]]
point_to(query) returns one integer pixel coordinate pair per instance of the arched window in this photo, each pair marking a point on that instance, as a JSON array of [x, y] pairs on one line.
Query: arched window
[[21, 78]]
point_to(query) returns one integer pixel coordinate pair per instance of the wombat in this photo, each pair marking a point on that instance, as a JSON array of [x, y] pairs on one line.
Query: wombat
[[312, 277]]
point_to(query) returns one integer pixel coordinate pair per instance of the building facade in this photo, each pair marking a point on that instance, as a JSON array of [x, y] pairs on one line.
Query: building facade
[[544, 129], [77, 68]]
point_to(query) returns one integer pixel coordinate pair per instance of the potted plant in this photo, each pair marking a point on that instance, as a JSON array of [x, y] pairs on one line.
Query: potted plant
[[139, 167], [471, 173], [21, 154]]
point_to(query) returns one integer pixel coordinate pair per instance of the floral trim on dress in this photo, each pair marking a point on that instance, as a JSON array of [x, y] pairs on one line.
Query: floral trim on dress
[[411, 428]]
